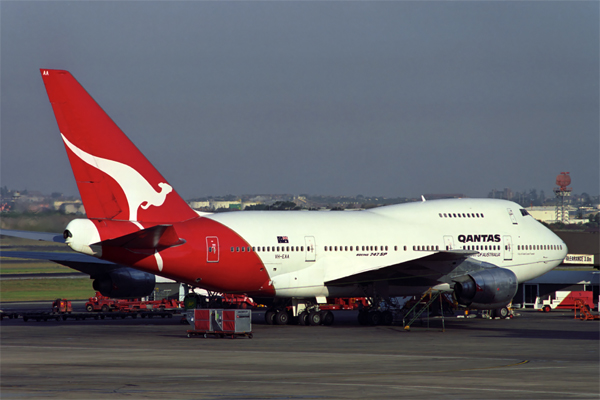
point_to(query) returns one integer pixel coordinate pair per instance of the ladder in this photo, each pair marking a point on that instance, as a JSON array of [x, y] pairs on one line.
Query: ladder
[[433, 295], [584, 311]]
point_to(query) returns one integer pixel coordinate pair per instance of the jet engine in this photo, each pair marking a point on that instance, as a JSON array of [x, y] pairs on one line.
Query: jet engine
[[125, 283], [488, 288]]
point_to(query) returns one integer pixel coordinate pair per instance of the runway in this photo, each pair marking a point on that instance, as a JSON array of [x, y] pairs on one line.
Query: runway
[[533, 356]]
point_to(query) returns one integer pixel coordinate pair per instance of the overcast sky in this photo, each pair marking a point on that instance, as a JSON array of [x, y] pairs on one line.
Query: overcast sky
[[336, 98]]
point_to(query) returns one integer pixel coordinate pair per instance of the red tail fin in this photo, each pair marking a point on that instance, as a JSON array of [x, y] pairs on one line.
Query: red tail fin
[[114, 178]]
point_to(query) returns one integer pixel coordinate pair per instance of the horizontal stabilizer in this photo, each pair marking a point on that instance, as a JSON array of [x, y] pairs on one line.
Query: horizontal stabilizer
[[157, 237]]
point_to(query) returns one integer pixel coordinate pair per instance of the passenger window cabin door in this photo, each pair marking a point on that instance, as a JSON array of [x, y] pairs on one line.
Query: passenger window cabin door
[[448, 242], [310, 250], [508, 250], [212, 249]]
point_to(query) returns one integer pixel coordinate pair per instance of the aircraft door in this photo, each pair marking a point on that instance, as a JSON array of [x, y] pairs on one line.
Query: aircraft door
[[508, 250], [212, 249], [310, 250], [448, 242]]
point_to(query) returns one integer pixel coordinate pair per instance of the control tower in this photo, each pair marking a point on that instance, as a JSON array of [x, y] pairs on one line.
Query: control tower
[[562, 193]]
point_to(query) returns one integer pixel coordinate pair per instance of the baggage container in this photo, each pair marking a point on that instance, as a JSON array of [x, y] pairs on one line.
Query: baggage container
[[220, 323]]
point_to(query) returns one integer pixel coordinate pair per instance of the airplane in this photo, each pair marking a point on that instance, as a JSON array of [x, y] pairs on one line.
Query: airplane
[[138, 226]]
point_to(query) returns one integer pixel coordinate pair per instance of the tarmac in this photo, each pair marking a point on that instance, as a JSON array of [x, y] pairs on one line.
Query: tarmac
[[532, 356]]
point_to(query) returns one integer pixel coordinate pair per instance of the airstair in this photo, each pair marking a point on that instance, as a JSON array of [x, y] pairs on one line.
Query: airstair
[[584, 311], [423, 305]]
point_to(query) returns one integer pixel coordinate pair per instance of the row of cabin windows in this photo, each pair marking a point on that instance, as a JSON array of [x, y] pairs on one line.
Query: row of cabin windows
[[539, 247], [358, 248], [461, 215], [426, 248], [327, 248], [482, 247], [269, 248], [385, 248]]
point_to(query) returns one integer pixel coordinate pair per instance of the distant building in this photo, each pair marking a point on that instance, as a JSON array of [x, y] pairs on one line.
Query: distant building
[[60, 204], [547, 214], [506, 194], [544, 214], [220, 204], [199, 204], [216, 204], [72, 208]]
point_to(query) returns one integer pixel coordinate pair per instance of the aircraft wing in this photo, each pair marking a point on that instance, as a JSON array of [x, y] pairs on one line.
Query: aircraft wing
[[43, 236], [77, 261], [425, 271], [80, 262]]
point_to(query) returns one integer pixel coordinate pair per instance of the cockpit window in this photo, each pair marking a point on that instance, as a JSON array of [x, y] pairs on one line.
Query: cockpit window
[[524, 212]]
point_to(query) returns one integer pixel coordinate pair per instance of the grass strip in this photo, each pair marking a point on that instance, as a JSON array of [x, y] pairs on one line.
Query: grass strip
[[14, 266], [45, 289]]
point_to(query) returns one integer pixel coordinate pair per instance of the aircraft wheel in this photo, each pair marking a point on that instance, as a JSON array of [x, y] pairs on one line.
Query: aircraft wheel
[[363, 318], [328, 318], [303, 319], [282, 317], [374, 318], [270, 317], [387, 318], [314, 318], [503, 312]]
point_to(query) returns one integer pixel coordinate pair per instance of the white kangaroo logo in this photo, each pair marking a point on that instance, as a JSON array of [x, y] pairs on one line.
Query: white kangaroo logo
[[136, 188]]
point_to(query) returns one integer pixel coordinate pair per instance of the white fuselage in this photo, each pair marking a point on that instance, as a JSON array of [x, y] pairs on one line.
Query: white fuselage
[[303, 249]]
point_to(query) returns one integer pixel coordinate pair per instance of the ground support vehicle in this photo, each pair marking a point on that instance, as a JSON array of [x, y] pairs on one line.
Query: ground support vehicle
[[566, 300], [106, 304], [238, 301], [62, 306], [307, 313], [345, 303], [61, 309], [8, 315], [218, 300], [220, 323], [45, 316], [155, 313]]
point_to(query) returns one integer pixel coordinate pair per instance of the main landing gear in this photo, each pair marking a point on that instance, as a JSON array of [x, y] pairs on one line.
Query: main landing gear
[[375, 317], [309, 316]]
